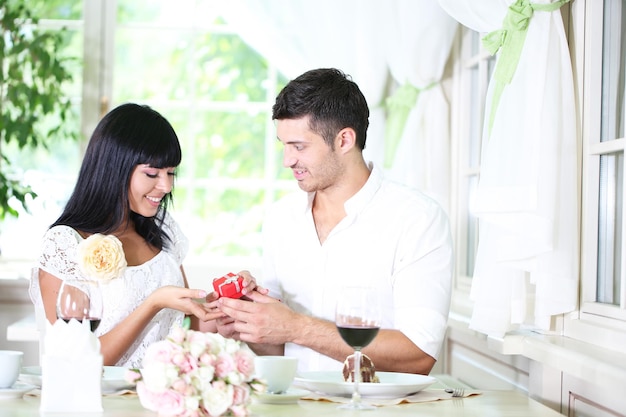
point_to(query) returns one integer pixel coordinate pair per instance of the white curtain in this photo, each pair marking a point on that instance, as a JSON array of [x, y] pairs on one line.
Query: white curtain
[[527, 262], [368, 39], [299, 35], [418, 37]]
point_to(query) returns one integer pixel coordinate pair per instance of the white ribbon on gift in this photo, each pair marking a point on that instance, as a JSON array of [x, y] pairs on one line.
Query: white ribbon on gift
[[232, 279]]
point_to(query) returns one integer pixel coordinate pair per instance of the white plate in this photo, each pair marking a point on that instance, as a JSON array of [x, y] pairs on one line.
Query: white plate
[[16, 391], [113, 378], [291, 396], [391, 385]]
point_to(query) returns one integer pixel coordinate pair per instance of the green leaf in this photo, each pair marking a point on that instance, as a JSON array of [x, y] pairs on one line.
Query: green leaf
[[187, 323], [33, 75]]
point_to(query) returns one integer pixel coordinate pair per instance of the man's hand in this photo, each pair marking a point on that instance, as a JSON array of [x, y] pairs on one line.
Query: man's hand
[[262, 320], [249, 284]]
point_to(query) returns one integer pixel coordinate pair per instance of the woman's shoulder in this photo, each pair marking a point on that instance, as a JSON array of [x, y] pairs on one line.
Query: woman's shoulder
[[58, 251], [62, 233]]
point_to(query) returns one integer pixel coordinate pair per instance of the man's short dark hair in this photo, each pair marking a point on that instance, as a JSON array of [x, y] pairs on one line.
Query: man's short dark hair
[[332, 101]]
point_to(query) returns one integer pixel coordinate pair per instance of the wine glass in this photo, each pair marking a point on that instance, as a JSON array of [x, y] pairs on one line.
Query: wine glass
[[358, 319], [80, 300]]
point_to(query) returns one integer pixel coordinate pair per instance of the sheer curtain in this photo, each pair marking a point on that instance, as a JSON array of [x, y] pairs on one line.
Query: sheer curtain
[[372, 40], [299, 35], [418, 37], [527, 261]]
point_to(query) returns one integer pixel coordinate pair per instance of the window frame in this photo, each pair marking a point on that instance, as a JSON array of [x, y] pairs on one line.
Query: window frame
[[604, 324]]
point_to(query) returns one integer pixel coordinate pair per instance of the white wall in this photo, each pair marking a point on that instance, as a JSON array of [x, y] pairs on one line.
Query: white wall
[[14, 306]]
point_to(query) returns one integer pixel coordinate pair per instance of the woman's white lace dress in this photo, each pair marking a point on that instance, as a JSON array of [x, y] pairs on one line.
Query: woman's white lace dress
[[124, 294]]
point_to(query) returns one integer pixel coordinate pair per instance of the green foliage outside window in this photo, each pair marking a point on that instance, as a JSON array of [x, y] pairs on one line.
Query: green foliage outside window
[[214, 89], [34, 109]]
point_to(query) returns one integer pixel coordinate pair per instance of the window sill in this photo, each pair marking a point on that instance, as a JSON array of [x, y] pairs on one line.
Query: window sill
[[13, 286], [583, 360]]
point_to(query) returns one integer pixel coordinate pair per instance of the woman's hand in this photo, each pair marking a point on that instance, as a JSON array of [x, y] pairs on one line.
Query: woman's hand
[[189, 301]]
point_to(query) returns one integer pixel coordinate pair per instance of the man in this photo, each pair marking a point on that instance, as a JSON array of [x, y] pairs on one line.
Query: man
[[351, 227]]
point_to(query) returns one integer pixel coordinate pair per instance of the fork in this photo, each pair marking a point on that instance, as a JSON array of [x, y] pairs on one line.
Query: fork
[[456, 392]]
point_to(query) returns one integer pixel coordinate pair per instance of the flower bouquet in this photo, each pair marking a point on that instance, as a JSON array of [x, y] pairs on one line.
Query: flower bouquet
[[196, 374]]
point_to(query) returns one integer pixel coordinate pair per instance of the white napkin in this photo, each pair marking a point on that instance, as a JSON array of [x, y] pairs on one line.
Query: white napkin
[[71, 369]]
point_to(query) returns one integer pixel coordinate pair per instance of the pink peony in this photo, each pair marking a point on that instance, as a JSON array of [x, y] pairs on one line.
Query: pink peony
[[186, 363], [180, 386], [244, 362], [241, 395], [224, 366], [162, 351], [207, 359], [167, 403]]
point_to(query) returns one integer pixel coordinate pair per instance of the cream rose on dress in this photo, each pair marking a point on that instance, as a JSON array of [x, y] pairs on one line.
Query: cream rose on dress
[[101, 256]]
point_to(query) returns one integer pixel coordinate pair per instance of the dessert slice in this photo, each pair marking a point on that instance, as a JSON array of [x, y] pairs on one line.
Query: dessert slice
[[368, 370]]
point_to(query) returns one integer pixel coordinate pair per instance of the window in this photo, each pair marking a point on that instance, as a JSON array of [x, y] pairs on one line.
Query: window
[[611, 181], [474, 70], [182, 59], [601, 77], [50, 172]]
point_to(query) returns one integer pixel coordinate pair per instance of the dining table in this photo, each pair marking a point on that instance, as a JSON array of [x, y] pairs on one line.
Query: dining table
[[484, 404]]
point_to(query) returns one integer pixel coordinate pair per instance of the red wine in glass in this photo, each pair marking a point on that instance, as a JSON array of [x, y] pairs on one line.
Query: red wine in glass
[[93, 323], [358, 319], [80, 300], [356, 336]]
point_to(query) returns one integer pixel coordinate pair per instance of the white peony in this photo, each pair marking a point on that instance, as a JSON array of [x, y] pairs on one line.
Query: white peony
[[219, 399], [159, 376]]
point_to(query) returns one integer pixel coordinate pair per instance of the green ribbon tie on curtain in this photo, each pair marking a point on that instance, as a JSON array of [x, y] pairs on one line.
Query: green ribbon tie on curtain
[[510, 41], [399, 105]]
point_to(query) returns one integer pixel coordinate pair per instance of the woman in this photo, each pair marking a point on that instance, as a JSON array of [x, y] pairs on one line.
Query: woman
[[123, 188]]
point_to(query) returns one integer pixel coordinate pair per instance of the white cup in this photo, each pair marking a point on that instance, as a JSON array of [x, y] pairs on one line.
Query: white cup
[[277, 372], [10, 365]]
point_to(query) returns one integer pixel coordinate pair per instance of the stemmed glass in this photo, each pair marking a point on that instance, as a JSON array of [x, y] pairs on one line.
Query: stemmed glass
[[358, 319], [80, 300]]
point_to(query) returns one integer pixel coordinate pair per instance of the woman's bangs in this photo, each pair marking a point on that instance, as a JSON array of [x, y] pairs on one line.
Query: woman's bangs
[[162, 153]]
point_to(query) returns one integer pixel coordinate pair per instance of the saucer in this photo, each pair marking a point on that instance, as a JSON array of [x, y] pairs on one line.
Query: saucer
[[16, 391], [290, 397]]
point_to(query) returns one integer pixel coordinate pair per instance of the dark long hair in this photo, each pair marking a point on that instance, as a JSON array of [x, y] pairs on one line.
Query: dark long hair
[[127, 136], [331, 100]]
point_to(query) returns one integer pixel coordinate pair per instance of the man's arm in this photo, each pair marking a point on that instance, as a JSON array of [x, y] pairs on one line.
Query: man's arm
[[267, 324]]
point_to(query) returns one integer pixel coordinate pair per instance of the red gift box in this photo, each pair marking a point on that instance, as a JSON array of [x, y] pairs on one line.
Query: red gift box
[[230, 285]]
